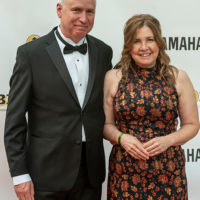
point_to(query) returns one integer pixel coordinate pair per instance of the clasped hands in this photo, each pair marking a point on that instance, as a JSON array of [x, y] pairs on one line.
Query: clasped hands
[[145, 150]]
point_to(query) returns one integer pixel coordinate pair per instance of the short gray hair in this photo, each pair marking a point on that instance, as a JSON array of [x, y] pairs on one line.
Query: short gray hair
[[62, 1]]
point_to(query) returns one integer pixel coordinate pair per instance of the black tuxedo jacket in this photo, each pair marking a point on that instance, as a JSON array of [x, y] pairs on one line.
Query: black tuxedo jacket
[[47, 142]]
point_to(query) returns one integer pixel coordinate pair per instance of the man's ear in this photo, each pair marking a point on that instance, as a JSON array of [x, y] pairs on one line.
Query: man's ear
[[59, 10]]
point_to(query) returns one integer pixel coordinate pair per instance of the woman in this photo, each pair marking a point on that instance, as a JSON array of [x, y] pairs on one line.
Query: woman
[[144, 95]]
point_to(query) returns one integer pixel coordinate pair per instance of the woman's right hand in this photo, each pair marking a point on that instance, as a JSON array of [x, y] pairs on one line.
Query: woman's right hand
[[134, 147]]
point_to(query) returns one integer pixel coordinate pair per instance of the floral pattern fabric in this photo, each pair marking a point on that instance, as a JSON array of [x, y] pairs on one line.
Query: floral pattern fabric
[[146, 107]]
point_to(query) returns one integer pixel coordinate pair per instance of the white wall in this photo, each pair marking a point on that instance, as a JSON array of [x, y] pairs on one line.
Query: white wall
[[178, 18]]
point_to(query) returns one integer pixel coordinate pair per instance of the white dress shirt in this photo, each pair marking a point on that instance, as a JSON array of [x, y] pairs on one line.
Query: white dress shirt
[[78, 67]]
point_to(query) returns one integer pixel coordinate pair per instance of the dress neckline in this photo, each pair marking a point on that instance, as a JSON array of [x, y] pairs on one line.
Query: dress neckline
[[150, 69]]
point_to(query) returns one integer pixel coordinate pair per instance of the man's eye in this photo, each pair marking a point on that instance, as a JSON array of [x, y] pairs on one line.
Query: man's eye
[[90, 12], [76, 10]]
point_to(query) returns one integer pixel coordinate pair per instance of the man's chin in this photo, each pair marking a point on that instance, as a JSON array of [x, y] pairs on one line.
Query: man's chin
[[80, 34]]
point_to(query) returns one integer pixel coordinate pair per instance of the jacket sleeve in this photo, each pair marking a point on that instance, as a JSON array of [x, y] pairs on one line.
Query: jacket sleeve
[[15, 136], [109, 58]]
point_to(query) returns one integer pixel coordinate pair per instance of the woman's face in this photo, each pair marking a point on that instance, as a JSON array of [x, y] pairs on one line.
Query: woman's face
[[145, 49]]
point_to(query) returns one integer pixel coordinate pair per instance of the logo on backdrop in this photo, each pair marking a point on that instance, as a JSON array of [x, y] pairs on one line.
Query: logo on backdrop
[[32, 38], [192, 155], [3, 102], [182, 43], [197, 94]]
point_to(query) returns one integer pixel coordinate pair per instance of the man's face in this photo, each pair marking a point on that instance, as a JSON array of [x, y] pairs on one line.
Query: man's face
[[76, 18]]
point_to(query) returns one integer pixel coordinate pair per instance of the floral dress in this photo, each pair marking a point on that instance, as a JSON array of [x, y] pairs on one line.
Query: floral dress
[[146, 107]]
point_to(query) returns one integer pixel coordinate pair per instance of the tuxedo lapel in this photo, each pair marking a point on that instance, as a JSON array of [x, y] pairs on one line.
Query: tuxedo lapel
[[92, 69], [58, 60]]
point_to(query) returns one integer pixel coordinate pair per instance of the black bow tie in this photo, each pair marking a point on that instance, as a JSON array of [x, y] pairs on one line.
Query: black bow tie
[[69, 48]]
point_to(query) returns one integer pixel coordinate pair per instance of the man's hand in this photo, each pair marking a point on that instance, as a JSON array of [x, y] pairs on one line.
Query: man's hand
[[25, 191]]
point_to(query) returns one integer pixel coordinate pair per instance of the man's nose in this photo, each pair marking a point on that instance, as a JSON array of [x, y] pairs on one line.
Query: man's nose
[[83, 17]]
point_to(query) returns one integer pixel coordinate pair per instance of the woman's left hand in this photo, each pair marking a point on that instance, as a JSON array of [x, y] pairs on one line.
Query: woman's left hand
[[157, 145]]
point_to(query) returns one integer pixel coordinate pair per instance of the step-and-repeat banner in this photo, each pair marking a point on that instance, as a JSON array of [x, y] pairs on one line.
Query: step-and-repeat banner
[[23, 20]]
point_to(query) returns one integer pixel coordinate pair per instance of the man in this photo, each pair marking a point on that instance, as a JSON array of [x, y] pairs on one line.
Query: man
[[57, 153]]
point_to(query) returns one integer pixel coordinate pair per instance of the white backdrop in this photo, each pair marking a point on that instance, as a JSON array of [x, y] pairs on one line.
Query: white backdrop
[[180, 21]]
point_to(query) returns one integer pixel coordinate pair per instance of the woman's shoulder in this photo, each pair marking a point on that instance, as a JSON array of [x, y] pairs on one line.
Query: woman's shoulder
[[180, 74], [182, 81], [112, 80], [114, 75]]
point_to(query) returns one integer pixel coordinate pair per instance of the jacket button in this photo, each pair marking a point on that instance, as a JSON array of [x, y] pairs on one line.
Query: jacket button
[[78, 142]]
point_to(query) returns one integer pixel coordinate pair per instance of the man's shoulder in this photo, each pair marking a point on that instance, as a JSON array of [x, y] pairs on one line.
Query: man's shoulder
[[98, 42], [37, 44]]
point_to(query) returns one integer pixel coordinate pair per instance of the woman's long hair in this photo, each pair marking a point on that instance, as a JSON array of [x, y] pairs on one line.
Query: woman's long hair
[[126, 63]]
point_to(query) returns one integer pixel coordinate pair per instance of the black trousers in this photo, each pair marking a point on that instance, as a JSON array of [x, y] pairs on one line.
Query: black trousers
[[82, 190]]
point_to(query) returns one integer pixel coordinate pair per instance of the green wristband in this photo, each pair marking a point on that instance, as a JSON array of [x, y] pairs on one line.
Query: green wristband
[[119, 138]]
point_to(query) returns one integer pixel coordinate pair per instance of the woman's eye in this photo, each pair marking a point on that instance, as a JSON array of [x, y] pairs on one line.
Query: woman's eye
[[136, 41], [150, 39]]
